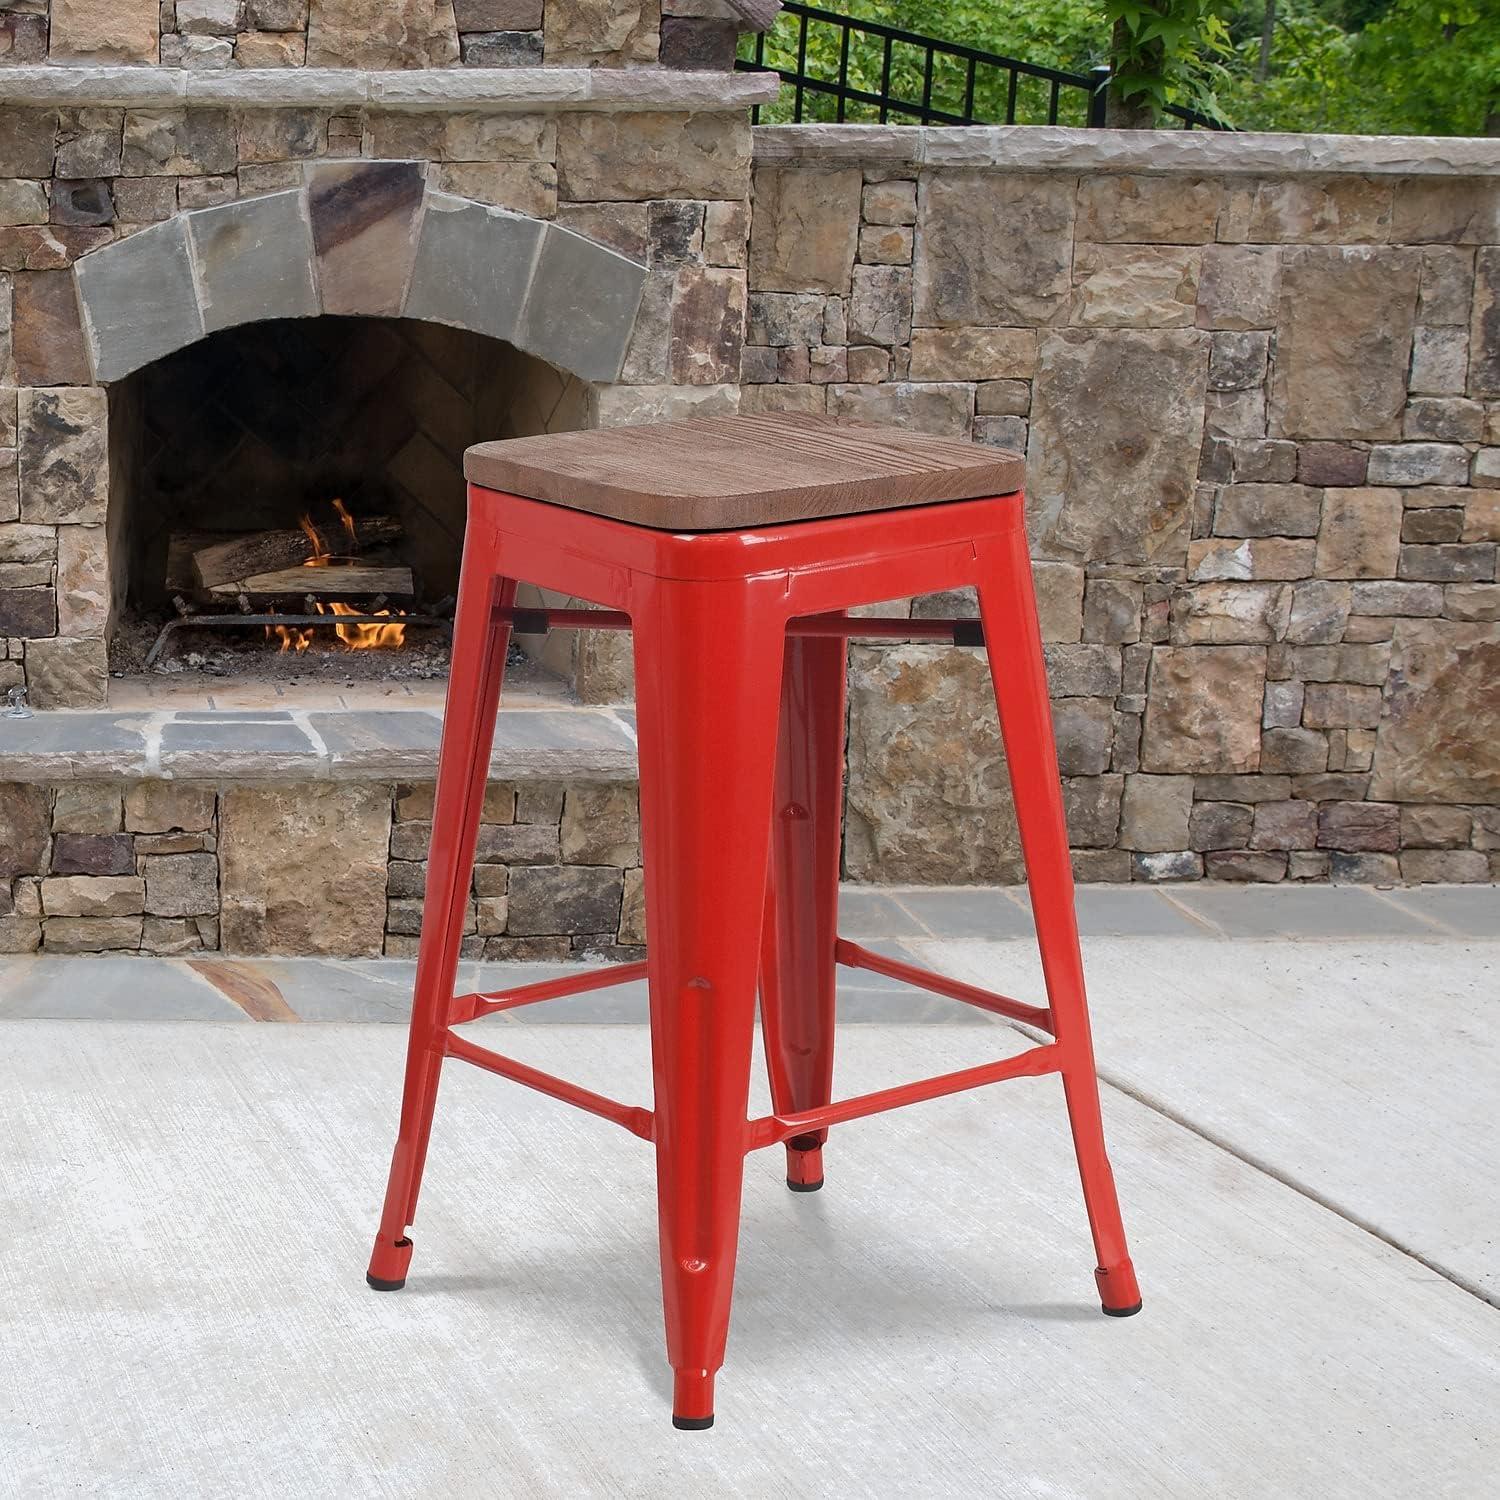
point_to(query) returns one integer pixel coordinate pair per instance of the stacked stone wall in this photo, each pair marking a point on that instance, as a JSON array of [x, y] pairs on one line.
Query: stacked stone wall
[[213, 34], [179, 868], [1261, 414]]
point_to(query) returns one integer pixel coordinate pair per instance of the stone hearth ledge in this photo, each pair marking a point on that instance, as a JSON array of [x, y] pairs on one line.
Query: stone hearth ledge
[[596, 744], [472, 90], [1052, 148]]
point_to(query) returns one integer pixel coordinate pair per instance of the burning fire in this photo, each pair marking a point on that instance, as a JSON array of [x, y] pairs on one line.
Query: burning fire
[[365, 636], [361, 637]]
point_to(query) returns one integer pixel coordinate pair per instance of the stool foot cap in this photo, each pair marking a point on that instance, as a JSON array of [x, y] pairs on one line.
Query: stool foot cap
[[1120, 1312], [805, 1187], [692, 1424], [388, 1265]]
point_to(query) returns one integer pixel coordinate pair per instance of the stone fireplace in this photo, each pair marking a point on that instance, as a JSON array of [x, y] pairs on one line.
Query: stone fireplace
[[256, 259]]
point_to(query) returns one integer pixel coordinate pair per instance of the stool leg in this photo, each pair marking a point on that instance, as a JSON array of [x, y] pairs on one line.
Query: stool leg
[[479, 647], [798, 972], [708, 667], [1008, 606]]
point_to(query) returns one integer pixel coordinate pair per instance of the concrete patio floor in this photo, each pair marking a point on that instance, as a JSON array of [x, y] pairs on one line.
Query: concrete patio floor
[[1300, 1097]]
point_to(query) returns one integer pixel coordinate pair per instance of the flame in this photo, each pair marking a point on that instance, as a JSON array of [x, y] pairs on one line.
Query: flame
[[292, 637], [369, 636], [320, 555], [348, 520], [362, 637]]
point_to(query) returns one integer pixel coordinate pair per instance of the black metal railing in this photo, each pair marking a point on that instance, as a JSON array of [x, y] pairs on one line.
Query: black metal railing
[[924, 79]]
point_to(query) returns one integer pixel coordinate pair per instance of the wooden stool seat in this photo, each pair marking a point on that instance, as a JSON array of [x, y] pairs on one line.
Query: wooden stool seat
[[728, 473]]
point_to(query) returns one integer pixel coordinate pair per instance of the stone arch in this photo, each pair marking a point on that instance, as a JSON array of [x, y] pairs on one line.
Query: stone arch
[[359, 239]]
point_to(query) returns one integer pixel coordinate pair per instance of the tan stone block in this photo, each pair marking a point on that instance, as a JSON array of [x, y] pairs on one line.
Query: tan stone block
[[1344, 342], [524, 187], [928, 797], [65, 673], [1267, 557], [178, 143], [1310, 211], [810, 400], [23, 201], [993, 248], [880, 304], [633, 909], [607, 156], [1135, 286], [1450, 210], [181, 885], [944, 409], [267, 135], [1116, 431], [105, 31], [271, 49], [1059, 600], [20, 935], [891, 202], [726, 234], [1225, 613], [84, 807], [600, 33], [281, 890], [382, 34], [83, 583], [1482, 516], [1203, 709], [1148, 210], [601, 826], [169, 807], [491, 915], [92, 934], [1435, 827], [973, 353], [1154, 813], [1360, 535], [1440, 738], [93, 895], [804, 230], [885, 245], [1340, 705]]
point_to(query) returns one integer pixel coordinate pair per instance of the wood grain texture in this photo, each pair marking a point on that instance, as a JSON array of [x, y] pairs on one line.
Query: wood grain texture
[[730, 473]]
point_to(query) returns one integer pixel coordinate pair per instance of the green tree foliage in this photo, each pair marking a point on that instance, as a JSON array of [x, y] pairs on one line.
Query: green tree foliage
[[1418, 67], [1365, 66], [1166, 52]]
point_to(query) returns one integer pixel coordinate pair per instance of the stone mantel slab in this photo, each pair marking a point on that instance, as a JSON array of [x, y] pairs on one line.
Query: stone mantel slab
[[472, 90], [593, 744], [1057, 148]]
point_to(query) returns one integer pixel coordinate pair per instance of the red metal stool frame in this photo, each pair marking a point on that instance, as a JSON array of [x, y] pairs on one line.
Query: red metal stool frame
[[740, 660]]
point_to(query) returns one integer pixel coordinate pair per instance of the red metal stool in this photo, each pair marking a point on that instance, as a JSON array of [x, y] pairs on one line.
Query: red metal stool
[[733, 547]]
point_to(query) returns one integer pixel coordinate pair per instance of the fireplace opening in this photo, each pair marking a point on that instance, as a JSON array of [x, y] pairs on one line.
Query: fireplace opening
[[287, 497]]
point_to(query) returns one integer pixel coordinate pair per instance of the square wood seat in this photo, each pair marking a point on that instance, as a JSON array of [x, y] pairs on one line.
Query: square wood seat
[[728, 473]]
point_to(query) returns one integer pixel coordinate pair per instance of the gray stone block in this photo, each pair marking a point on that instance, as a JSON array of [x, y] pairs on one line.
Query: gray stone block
[[254, 260], [474, 266], [138, 300], [581, 310]]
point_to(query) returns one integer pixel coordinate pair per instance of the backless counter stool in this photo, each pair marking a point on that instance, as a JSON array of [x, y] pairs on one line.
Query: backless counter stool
[[732, 547]]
